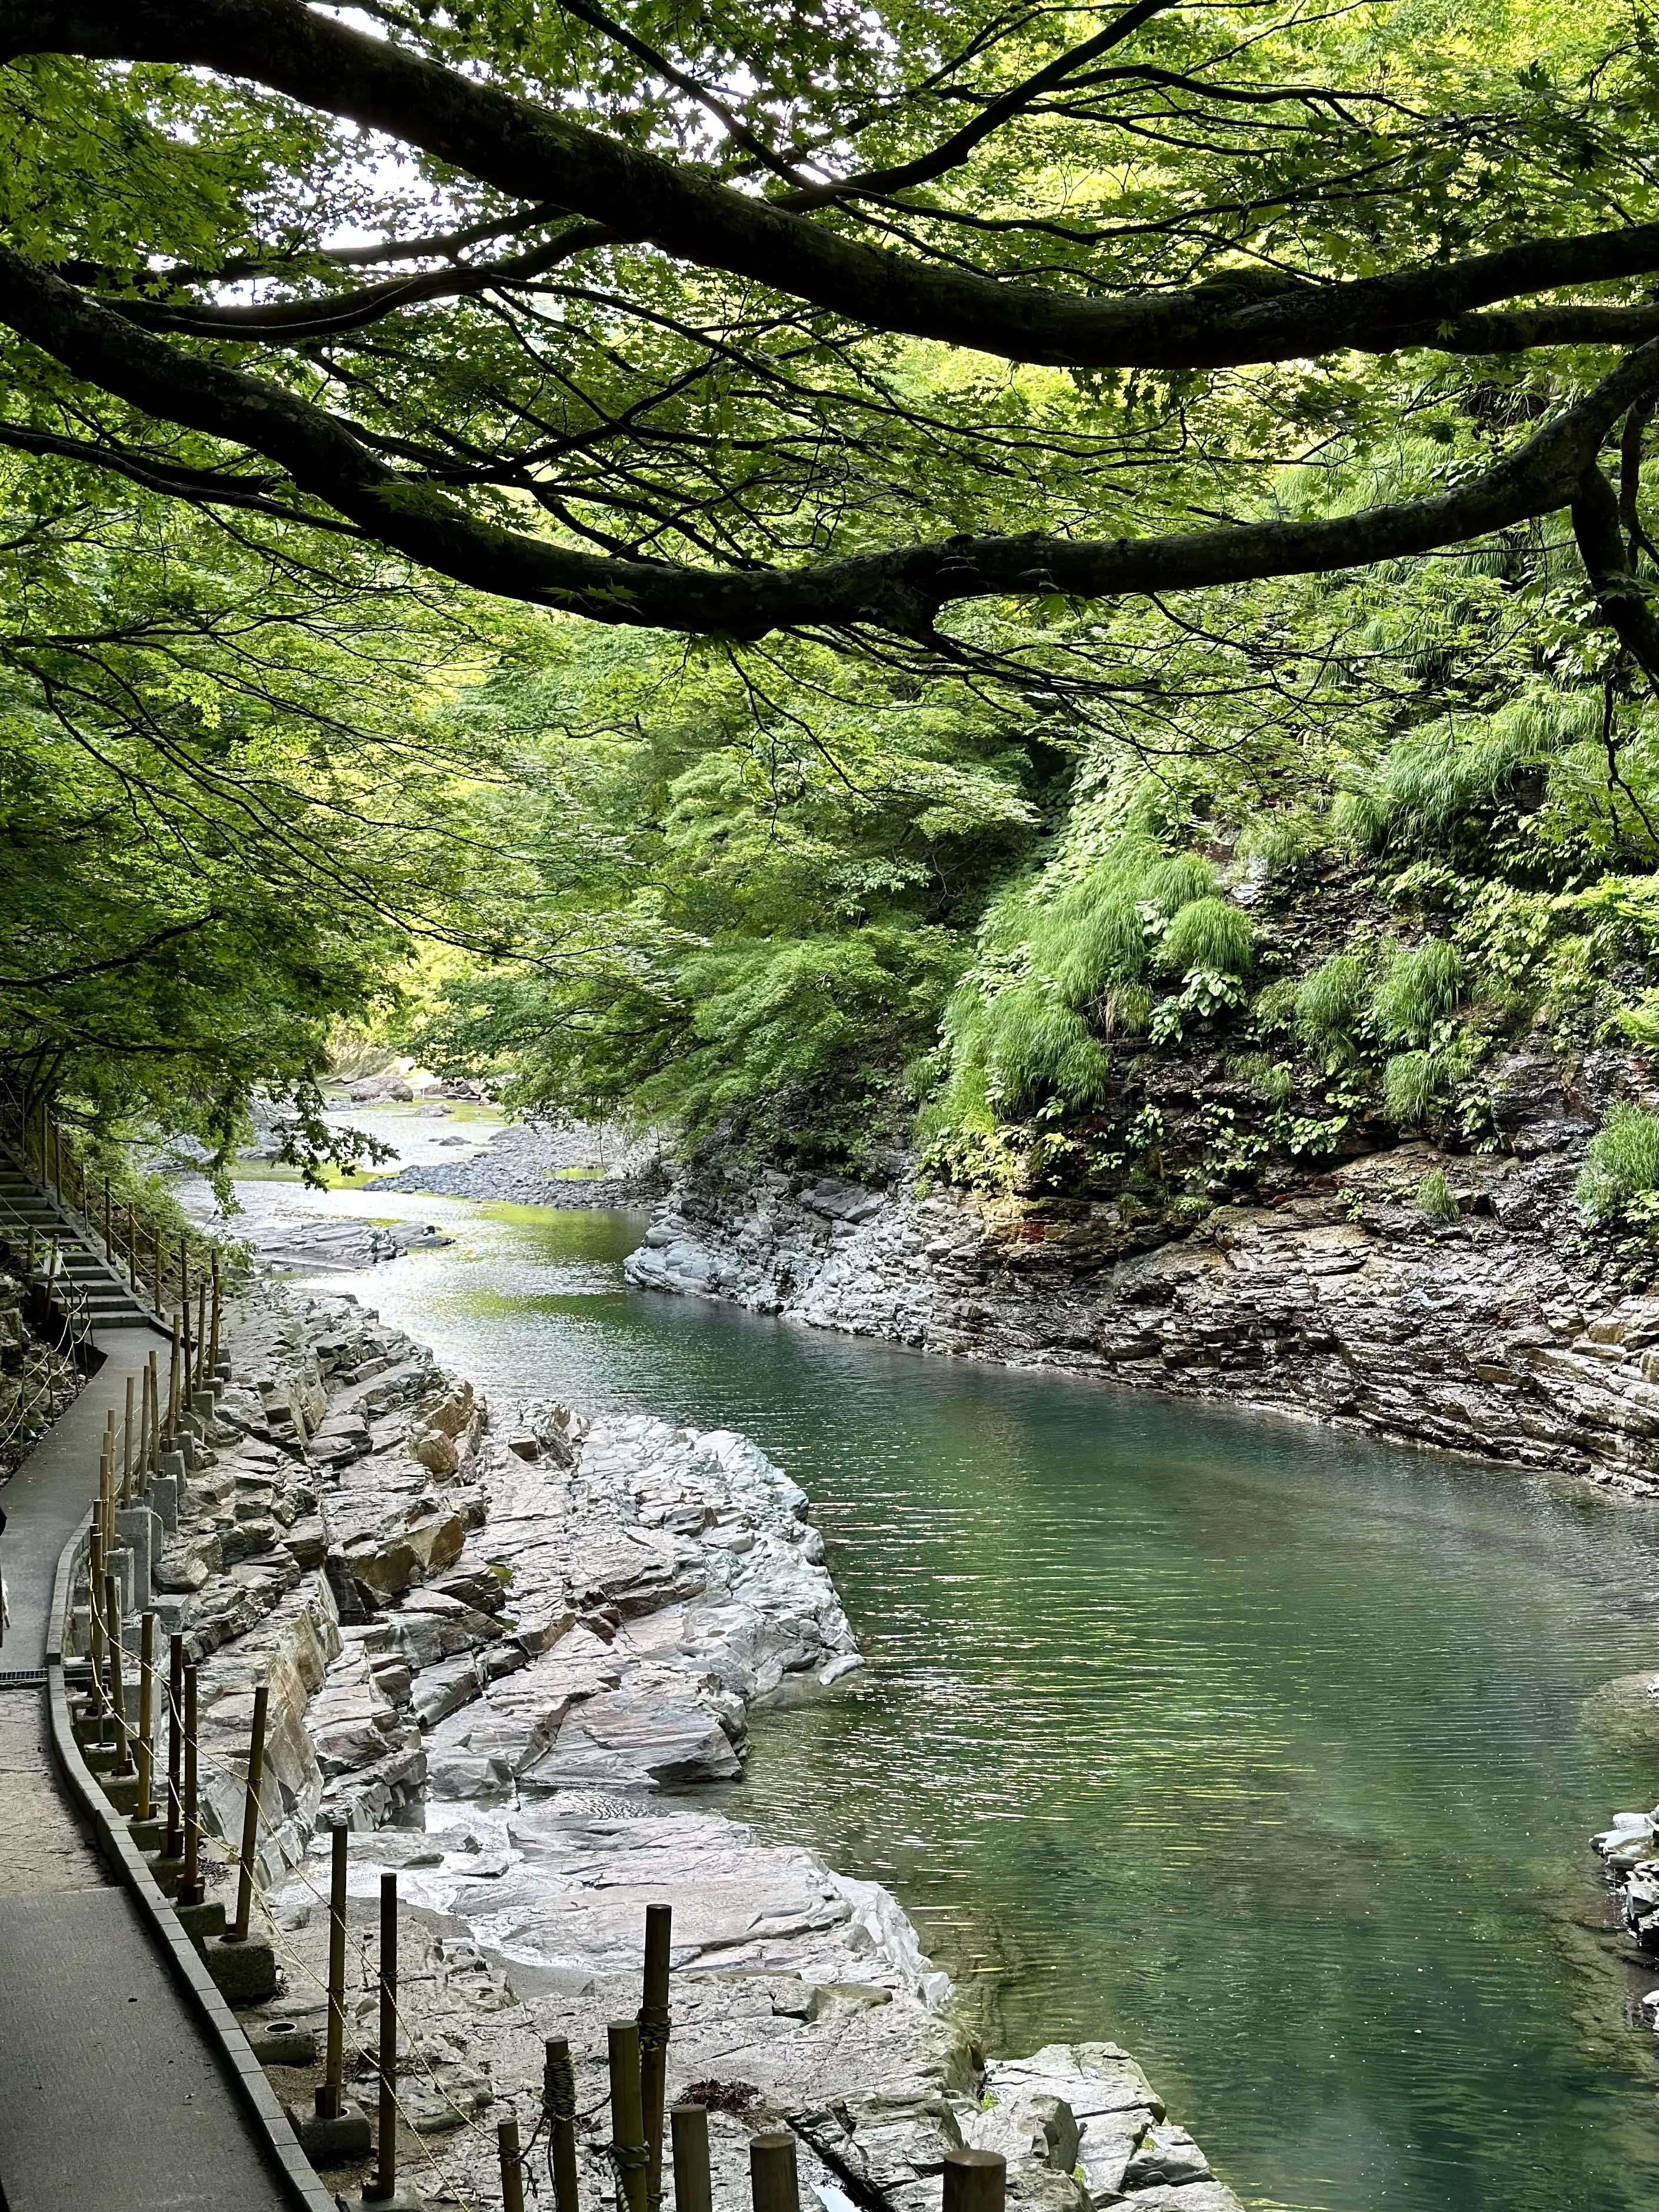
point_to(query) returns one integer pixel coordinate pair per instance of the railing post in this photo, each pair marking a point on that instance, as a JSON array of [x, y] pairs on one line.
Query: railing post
[[175, 1839], [213, 1362], [975, 2181], [330, 2096], [773, 2186], [654, 2027], [507, 2142], [95, 1610], [117, 1695], [693, 2190], [627, 2150], [256, 1762], [200, 1383], [126, 1449], [189, 1882], [559, 2105], [385, 2182], [172, 1387], [146, 1715]]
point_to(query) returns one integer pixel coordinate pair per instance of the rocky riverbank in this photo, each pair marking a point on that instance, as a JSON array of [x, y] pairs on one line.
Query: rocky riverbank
[[496, 1644], [537, 1164], [1342, 1300]]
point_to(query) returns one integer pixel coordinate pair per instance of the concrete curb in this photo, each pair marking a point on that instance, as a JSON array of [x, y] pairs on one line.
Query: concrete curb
[[220, 2025]]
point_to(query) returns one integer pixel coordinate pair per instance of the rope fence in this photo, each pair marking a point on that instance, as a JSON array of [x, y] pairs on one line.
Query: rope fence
[[117, 1734]]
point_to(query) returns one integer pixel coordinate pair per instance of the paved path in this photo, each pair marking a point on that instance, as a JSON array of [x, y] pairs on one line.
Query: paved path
[[111, 2092]]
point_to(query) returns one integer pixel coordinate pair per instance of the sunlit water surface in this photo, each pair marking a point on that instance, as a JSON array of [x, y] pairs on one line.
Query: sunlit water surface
[[1268, 1752]]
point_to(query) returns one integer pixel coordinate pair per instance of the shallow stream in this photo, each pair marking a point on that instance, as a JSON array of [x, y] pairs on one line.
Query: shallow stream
[[1268, 1752]]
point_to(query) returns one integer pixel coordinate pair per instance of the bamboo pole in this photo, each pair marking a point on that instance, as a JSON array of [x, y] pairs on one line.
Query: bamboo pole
[[559, 2103], [256, 1765], [627, 2150], [331, 2094]]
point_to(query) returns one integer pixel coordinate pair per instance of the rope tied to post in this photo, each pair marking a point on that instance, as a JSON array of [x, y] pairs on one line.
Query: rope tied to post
[[655, 2023], [559, 2088]]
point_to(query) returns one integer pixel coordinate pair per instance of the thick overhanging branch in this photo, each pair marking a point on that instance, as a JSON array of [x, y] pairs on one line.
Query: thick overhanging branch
[[900, 591], [1623, 603], [536, 153]]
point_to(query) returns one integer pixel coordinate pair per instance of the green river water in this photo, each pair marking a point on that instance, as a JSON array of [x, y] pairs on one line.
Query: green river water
[[1266, 1751]]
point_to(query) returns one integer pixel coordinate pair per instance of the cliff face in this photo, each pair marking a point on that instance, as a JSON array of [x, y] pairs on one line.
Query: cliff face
[[1341, 1300]]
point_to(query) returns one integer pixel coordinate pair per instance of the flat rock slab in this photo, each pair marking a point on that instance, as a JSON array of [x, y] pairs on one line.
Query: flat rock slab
[[111, 2096]]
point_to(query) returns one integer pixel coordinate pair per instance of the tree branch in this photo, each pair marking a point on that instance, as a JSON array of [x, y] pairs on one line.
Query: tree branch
[[901, 591], [1623, 603], [534, 152]]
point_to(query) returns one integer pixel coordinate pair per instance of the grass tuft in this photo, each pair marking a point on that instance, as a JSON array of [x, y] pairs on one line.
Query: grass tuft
[[1330, 1003], [1621, 1164], [1432, 1197], [1422, 986], [1207, 933]]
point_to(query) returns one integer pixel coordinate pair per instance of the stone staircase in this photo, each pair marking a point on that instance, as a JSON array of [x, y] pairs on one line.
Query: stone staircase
[[102, 1292]]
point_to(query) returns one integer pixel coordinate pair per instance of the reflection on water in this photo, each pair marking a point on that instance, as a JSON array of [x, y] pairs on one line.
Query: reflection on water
[[1268, 1752]]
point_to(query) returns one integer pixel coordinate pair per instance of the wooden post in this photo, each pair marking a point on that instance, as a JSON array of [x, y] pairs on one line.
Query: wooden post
[[975, 2181], [146, 1717], [173, 1386], [693, 2191], [772, 2184], [507, 2142], [190, 1882], [183, 1308], [559, 2103], [126, 1449], [653, 2045], [175, 1842], [156, 1272], [256, 1765], [117, 1695], [213, 1357], [95, 1607], [109, 1226], [385, 2182], [200, 1383], [627, 2151], [330, 2095]]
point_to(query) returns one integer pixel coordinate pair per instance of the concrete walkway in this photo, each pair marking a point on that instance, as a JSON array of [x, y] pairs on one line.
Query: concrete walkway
[[111, 2091]]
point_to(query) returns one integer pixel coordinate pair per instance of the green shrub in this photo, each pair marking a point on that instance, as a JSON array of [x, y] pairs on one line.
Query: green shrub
[[1126, 1010], [1621, 1165], [1330, 1001], [1421, 988], [1433, 1198], [1207, 933], [1281, 842], [1036, 1049], [1170, 884], [1274, 1006], [1409, 1084], [1092, 937]]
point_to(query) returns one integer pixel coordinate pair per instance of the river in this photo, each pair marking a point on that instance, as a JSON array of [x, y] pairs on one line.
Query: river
[[1266, 1751]]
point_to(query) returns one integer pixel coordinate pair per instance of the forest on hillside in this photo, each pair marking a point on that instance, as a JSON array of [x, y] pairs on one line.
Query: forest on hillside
[[855, 582]]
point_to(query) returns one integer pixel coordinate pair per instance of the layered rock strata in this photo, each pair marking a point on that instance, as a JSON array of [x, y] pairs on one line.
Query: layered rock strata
[[522, 1637], [1343, 1301]]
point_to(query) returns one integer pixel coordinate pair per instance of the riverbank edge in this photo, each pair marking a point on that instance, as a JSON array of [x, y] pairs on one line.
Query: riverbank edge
[[1347, 1304], [1015, 2106]]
